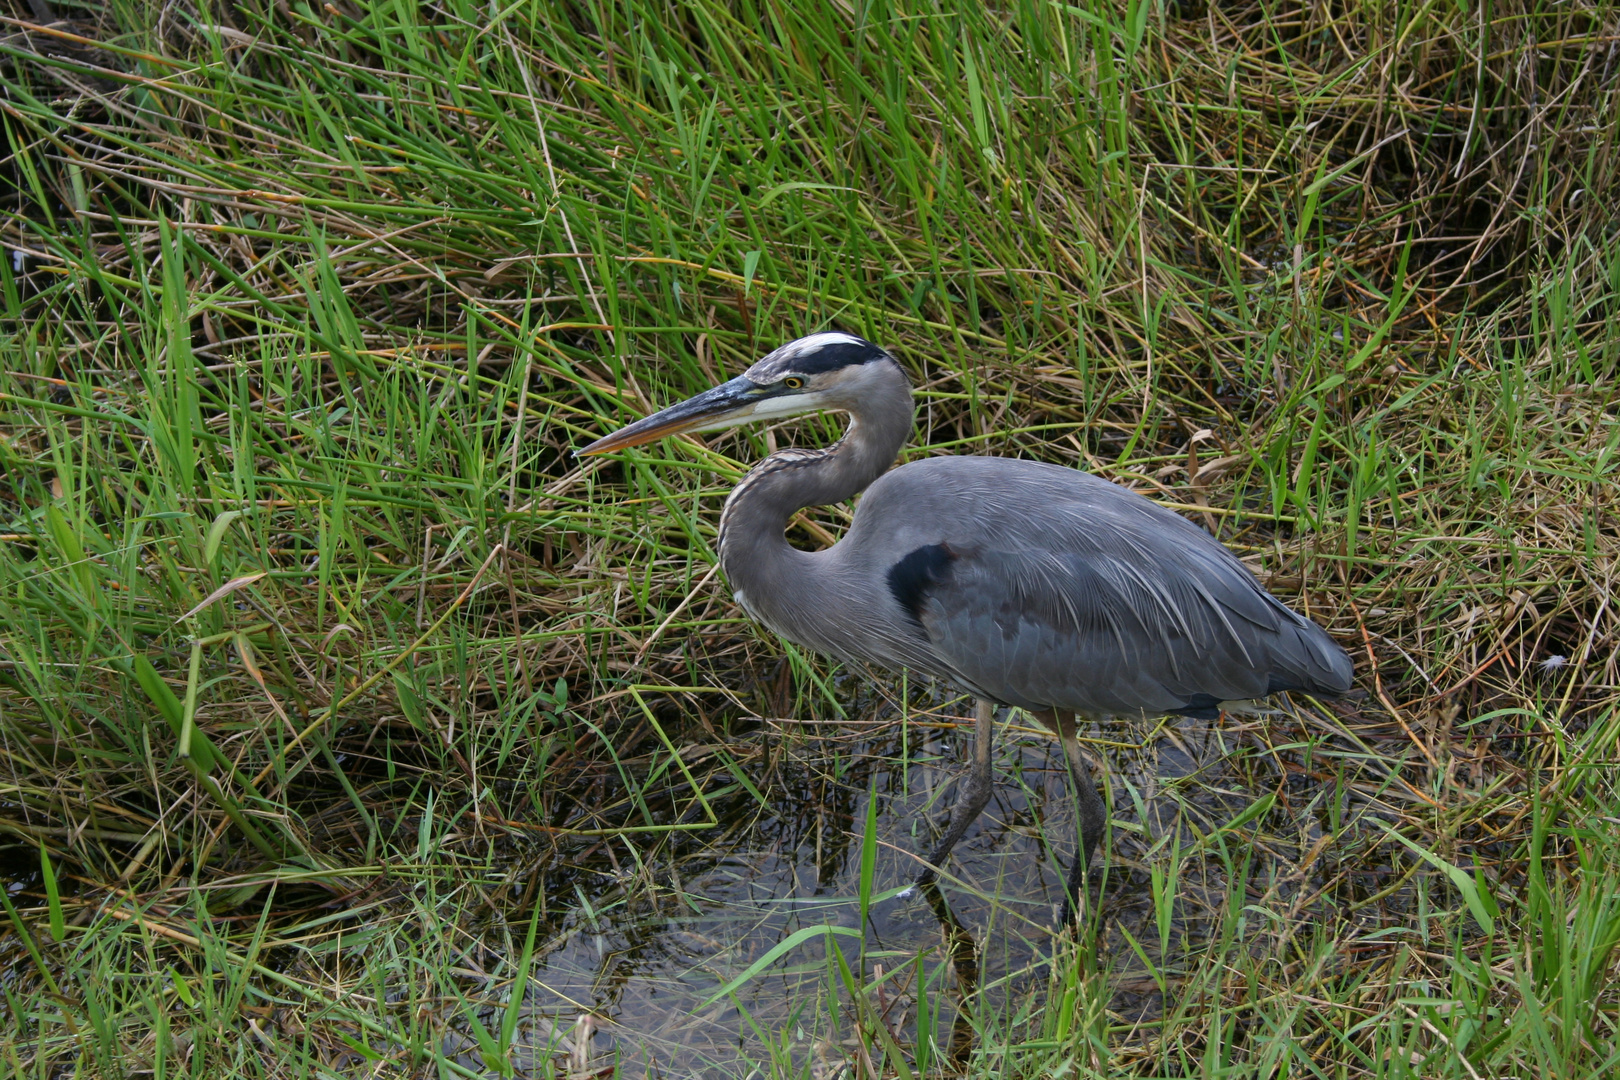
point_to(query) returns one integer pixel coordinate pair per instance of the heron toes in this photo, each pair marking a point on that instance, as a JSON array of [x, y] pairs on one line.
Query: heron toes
[[976, 792], [1076, 894]]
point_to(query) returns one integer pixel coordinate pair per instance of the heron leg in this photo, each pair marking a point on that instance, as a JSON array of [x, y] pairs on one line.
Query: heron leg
[[1093, 815], [975, 794]]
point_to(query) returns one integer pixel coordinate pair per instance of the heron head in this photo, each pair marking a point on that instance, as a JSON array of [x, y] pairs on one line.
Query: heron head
[[822, 371]]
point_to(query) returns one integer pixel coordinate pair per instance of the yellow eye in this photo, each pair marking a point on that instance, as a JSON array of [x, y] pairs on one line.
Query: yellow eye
[[793, 382]]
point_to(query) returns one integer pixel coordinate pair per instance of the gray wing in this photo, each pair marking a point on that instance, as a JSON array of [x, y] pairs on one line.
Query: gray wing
[[1053, 588]]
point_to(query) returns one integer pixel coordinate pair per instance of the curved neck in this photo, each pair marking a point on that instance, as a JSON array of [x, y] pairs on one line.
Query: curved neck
[[757, 512]]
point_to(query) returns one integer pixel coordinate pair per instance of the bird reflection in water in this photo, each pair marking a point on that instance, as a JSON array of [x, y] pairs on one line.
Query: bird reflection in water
[[964, 956]]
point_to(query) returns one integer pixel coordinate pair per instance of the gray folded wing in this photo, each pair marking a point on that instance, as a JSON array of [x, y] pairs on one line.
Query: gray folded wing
[[1065, 591]]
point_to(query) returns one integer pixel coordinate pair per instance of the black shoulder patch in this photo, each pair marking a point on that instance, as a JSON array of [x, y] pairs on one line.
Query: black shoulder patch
[[910, 578], [1200, 707], [835, 355]]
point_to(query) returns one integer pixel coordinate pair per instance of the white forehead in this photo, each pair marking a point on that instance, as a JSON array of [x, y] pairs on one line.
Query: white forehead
[[795, 349]]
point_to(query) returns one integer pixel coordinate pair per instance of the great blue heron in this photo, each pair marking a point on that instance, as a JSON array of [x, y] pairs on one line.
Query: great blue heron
[[1027, 584]]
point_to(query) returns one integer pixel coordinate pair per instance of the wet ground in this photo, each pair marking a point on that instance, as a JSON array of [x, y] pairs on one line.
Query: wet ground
[[631, 971], [725, 938]]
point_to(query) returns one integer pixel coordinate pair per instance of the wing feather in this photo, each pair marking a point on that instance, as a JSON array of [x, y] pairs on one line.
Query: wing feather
[[1066, 591]]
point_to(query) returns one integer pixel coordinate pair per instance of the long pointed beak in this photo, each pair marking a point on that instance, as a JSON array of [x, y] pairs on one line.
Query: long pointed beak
[[724, 406]]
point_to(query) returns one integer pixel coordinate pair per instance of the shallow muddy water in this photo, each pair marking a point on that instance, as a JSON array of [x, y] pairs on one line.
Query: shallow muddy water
[[628, 977]]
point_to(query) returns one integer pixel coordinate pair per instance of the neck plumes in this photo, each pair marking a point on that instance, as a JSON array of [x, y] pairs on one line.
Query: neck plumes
[[756, 514]]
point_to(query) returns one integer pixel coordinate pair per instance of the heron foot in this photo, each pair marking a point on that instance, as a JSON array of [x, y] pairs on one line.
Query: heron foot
[[976, 792], [977, 788], [1075, 893], [1074, 896]]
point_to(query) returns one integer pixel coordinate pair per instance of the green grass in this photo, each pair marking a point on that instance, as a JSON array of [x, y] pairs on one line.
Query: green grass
[[335, 695]]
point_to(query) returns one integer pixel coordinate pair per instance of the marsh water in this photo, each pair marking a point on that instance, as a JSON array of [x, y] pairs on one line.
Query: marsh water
[[688, 964]]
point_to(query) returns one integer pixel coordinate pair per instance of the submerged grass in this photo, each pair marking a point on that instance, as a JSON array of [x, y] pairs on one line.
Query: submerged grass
[[335, 695]]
